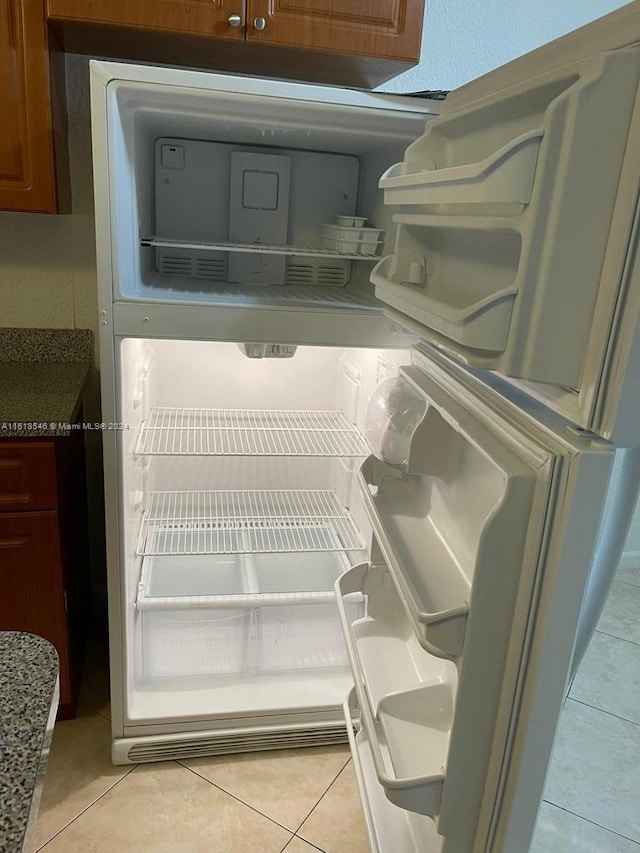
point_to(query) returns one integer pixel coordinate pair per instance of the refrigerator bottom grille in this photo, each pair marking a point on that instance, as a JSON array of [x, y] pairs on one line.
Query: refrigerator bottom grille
[[166, 750]]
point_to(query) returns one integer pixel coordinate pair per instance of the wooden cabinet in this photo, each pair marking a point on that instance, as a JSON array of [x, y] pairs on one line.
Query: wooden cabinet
[[200, 17], [27, 164], [44, 573], [382, 28]]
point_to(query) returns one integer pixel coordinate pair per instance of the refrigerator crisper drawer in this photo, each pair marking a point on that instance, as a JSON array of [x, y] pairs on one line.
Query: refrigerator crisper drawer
[[222, 641], [239, 614]]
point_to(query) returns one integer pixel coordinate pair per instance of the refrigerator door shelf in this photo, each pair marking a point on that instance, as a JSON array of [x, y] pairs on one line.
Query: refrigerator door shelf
[[410, 721], [446, 522], [475, 316], [504, 177], [389, 827], [408, 754], [514, 295]]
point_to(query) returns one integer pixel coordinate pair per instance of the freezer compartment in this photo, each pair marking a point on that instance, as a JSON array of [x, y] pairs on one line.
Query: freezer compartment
[[406, 696], [222, 189]]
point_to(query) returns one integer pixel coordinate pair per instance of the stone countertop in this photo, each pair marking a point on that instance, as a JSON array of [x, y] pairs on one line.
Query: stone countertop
[[42, 377], [29, 696]]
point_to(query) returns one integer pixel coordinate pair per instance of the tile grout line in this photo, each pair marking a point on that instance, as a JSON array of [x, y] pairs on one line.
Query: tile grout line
[[616, 637], [233, 796], [86, 809], [613, 637], [592, 822], [626, 583], [603, 711], [324, 794]]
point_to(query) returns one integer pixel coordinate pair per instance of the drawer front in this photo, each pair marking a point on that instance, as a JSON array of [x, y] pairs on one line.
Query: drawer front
[[27, 476]]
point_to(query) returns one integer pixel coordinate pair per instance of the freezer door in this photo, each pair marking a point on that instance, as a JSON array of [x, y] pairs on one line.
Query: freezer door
[[514, 212], [482, 542]]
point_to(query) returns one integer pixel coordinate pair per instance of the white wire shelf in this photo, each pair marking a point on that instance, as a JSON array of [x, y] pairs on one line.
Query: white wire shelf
[[248, 432], [246, 522], [257, 248]]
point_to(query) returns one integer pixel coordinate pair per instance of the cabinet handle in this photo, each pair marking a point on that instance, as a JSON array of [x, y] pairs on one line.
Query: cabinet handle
[[259, 23], [234, 20]]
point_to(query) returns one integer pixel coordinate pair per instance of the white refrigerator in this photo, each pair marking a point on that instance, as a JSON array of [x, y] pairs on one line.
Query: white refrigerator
[[366, 362]]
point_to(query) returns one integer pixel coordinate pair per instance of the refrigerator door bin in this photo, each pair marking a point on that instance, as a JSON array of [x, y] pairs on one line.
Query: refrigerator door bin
[[240, 522], [461, 283], [183, 643], [388, 826], [504, 177], [248, 432], [410, 717], [387, 654]]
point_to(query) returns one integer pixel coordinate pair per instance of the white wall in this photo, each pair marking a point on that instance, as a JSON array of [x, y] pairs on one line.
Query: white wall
[[463, 39]]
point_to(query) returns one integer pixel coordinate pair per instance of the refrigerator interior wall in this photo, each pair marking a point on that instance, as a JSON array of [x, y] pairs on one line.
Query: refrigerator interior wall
[[171, 156], [230, 552], [504, 209]]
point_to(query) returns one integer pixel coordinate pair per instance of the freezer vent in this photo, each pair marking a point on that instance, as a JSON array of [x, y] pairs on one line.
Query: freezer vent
[[174, 265], [314, 272], [299, 274], [336, 276], [211, 268], [194, 266], [246, 742]]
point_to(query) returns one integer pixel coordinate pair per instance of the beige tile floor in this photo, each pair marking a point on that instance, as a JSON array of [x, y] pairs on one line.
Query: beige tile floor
[[306, 800]]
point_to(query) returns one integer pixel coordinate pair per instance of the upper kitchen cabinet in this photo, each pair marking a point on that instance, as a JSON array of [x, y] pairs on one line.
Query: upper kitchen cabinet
[[220, 18], [357, 43], [27, 165], [391, 29]]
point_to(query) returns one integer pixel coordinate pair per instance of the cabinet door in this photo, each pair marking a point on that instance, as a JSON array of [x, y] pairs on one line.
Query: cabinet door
[[383, 28], [31, 583], [200, 17], [27, 170]]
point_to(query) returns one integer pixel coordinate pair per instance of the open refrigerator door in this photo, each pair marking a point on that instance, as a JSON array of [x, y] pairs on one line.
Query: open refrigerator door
[[482, 540]]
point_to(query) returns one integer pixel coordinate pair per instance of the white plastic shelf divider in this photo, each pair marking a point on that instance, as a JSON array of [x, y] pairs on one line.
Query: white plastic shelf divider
[[256, 248], [237, 522], [248, 432], [409, 730]]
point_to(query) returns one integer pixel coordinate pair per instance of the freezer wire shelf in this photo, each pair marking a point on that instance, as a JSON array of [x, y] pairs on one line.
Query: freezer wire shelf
[[237, 522], [257, 248], [248, 432]]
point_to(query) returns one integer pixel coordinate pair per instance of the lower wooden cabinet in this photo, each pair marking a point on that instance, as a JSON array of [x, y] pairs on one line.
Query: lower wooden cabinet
[[44, 570]]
